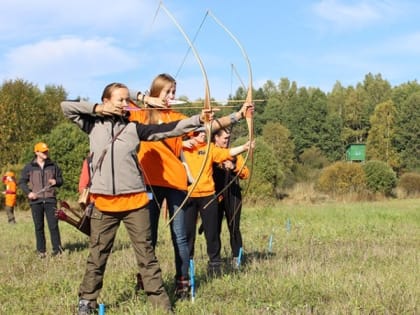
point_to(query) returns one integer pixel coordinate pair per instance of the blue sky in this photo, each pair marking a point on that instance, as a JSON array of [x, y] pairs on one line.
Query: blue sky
[[84, 45]]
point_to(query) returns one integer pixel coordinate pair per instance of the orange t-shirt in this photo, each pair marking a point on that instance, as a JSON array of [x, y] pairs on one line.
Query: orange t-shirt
[[120, 203], [160, 162], [195, 158]]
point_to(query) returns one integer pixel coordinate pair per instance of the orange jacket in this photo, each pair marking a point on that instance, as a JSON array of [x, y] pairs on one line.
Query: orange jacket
[[10, 192], [160, 161], [195, 157], [84, 179]]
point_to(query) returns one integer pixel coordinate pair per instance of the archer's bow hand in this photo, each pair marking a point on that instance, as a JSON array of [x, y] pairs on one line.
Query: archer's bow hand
[[207, 115], [249, 144], [247, 110]]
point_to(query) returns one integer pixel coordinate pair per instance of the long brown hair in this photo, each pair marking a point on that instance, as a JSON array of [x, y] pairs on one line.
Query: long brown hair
[[156, 87]]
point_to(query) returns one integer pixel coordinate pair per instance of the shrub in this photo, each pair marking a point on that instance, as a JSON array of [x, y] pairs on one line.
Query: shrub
[[68, 147], [312, 160], [342, 178], [410, 183], [379, 177], [267, 176]]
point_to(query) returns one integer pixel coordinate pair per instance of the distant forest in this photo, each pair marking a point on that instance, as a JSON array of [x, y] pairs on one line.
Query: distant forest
[[296, 128]]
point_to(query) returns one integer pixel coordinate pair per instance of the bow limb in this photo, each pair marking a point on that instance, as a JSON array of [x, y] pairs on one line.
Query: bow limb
[[248, 99], [248, 117], [207, 106]]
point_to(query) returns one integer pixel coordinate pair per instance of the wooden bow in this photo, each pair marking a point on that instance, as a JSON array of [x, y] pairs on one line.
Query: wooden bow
[[248, 117], [206, 106]]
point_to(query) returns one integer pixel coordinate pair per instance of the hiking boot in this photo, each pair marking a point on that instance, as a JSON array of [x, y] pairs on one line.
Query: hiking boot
[[182, 288], [85, 308], [214, 269], [139, 285], [57, 252], [42, 255]]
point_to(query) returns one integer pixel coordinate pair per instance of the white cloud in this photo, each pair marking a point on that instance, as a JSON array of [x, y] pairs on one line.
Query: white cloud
[[23, 20], [355, 15], [71, 62], [68, 55]]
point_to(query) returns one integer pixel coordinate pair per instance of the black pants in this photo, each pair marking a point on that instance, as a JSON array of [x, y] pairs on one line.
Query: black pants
[[209, 218], [231, 207], [39, 210]]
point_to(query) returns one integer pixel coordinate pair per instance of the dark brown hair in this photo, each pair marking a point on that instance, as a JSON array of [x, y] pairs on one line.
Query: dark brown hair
[[111, 88]]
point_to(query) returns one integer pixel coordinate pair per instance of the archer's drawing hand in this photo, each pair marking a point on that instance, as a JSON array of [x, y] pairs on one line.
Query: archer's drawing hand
[[228, 165], [189, 144], [155, 102], [109, 109]]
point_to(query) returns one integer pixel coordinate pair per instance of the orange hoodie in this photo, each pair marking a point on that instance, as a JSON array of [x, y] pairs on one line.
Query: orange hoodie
[[245, 170], [159, 160], [195, 157]]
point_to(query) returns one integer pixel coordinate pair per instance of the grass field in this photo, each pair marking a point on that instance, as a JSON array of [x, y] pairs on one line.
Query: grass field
[[332, 258]]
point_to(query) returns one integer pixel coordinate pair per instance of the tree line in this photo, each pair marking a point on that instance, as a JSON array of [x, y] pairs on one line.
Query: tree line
[[298, 129]]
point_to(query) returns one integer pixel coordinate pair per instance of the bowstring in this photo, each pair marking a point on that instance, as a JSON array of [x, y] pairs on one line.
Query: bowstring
[[189, 47]]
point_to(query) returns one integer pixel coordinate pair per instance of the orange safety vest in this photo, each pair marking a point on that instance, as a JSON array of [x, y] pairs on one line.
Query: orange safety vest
[[10, 192]]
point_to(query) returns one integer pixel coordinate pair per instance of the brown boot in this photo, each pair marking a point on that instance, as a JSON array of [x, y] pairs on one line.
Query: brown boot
[[139, 285]]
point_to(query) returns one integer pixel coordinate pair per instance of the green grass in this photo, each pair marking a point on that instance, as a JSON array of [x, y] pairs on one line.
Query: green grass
[[333, 258]]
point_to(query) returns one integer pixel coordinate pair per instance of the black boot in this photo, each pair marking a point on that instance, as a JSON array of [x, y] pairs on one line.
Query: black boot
[[182, 288], [214, 268]]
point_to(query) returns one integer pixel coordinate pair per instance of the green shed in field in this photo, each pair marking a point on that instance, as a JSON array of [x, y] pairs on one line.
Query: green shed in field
[[356, 152]]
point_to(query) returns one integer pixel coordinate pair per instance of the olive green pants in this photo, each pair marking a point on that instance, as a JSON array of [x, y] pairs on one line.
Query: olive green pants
[[104, 226], [10, 214]]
